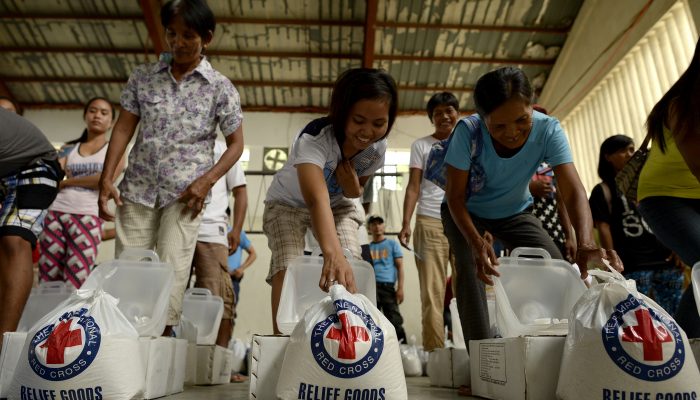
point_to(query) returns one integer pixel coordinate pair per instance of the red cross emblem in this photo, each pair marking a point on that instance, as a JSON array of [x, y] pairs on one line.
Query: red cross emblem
[[61, 338], [347, 335], [651, 337]]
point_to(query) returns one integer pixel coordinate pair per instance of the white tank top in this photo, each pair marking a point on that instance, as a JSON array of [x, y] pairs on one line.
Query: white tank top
[[75, 199]]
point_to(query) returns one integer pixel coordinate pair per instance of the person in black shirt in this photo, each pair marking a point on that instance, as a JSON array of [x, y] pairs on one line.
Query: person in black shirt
[[656, 270]]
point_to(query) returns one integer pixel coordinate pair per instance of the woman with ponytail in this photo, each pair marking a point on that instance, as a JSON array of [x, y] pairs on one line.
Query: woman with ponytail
[[73, 229]]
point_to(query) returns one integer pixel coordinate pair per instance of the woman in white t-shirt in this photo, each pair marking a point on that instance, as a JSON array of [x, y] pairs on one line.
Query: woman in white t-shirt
[[329, 163], [72, 228]]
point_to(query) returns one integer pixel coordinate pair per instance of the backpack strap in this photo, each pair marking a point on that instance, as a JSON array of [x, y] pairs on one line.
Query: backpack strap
[[474, 128]]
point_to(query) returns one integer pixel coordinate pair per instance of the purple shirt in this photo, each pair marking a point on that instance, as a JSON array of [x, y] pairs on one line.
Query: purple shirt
[[175, 142]]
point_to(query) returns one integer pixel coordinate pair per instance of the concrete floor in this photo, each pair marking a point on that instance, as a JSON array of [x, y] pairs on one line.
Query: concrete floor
[[418, 388]]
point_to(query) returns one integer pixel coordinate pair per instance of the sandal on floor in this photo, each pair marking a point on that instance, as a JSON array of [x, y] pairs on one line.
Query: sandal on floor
[[464, 391], [237, 378]]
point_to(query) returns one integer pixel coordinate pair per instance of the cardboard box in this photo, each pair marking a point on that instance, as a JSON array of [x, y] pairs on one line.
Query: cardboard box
[[191, 364], [157, 360], [176, 377], [448, 367], [266, 356], [520, 368], [208, 365], [12, 345]]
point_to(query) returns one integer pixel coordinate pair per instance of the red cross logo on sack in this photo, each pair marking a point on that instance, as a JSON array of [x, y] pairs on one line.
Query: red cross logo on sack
[[61, 338], [347, 335], [347, 343], [66, 346], [643, 341], [651, 336]]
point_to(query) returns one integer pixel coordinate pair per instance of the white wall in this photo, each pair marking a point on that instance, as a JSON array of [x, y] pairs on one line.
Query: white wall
[[272, 130]]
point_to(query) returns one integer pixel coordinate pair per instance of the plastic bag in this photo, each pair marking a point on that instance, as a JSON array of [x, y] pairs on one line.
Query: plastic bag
[[622, 345], [411, 360], [343, 348], [238, 353], [84, 349]]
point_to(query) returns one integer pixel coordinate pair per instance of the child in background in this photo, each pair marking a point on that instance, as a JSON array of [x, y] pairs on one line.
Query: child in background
[[329, 164], [387, 259], [236, 268]]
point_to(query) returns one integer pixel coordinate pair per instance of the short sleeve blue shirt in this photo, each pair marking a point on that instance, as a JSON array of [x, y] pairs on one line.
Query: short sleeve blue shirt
[[383, 255], [505, 191], [234, 260]]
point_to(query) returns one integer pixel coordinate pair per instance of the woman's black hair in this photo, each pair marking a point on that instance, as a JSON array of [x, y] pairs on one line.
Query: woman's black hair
[[496, 87], [18, 109], [439, 99], [196, 14], [678, 108], [358, 84], [611, 145], [84, 136]]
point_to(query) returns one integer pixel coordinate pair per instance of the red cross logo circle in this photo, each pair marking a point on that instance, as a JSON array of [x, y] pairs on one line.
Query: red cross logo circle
[[348, 343], [66, 347], [643, 341]]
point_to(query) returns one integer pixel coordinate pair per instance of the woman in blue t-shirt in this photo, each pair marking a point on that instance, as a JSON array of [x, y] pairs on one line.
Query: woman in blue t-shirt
[[510, 141]]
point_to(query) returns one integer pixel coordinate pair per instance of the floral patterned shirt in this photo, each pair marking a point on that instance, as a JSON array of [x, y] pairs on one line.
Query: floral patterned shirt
[[175, 142]]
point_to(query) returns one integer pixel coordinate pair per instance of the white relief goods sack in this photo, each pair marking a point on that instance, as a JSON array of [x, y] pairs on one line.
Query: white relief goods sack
[[84, 349], [622, 345], [343, 348]]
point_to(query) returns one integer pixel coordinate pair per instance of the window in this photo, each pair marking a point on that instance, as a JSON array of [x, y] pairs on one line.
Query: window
[[620, 102]]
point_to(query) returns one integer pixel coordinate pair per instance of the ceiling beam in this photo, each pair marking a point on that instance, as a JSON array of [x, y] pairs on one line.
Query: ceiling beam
[[293, 54], [219, 20], [288, 21], [370, 28], [275, 109], [211, 52], [74, 17], [475, 27], [151, 16], [457, 59], [237, 82], [300, 22]]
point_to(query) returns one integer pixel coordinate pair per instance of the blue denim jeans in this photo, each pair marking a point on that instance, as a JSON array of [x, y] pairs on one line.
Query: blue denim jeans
[[676, 222], [663, 284]]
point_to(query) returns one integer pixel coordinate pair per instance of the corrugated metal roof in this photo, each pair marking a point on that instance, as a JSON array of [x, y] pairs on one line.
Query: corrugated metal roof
[[283, 55]]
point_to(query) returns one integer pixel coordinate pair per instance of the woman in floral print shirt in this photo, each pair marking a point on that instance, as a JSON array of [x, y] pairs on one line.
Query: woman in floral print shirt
[[178, 102]]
